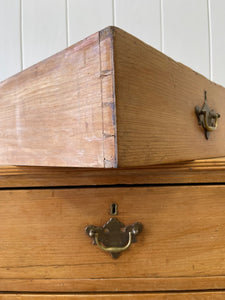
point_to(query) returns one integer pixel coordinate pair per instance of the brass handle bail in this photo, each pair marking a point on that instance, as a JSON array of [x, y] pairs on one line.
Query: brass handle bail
[[113, 249], [114, 237], [207, 118]]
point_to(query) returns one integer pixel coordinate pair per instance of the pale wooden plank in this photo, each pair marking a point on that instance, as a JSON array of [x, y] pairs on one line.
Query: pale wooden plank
[[44, 29], [87, 16], [186, 32], [53, 111], [10, 48], [218, 42], [140, 18]]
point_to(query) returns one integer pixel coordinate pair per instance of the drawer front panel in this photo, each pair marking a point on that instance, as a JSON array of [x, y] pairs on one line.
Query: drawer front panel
[[43, 239]]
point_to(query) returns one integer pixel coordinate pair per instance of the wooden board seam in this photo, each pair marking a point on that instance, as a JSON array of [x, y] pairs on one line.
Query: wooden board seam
[[106, 54]]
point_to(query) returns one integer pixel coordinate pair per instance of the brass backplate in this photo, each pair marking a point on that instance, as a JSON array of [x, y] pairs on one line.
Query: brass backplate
[[114, 235]]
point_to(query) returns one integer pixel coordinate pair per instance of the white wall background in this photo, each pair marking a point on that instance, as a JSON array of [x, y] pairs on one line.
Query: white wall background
[[189, 31]]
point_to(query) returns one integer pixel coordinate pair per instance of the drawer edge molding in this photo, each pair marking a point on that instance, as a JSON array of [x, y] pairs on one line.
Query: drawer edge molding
[[112, 284]]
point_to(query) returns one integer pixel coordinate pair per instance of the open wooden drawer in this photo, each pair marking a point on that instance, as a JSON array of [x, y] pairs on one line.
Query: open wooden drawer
[[109, 101], [44, 246]]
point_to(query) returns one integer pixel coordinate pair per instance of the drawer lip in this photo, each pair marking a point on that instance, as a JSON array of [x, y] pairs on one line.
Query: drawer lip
[[207, 171], [111, 285], [121, 296]]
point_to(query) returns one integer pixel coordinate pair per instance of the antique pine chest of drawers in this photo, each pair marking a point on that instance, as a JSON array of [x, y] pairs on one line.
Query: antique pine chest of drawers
[[112, 182]]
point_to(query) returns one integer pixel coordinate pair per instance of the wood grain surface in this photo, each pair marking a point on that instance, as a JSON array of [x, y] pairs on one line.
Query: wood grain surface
[[52, 114], [108, 101], [44, 246], [141, 296], [202, 171], [155, 104]]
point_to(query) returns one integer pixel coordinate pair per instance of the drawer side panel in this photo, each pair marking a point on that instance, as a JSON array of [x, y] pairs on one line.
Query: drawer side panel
[[52, 113]]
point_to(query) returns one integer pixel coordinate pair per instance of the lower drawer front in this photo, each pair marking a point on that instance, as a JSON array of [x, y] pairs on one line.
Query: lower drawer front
[[44, 247], [147, 296]]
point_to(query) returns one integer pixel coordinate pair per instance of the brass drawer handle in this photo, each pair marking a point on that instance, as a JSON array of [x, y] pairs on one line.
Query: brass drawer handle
[[207, 118], [113, 249], [114, 237]]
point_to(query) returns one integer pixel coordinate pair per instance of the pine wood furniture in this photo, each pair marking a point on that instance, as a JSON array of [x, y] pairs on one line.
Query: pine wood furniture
[[107, 101], [123, 115]]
